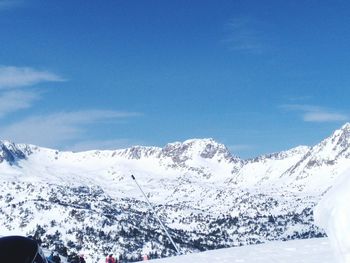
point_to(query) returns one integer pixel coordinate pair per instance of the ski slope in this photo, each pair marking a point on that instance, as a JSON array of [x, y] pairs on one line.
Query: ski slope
[[316, 250]]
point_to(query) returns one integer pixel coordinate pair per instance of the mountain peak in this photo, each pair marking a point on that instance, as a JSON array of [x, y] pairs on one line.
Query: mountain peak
[[335, 146], [205, 148], [11, 152], [343, 137], [200, 141], [138, 152], [5, 143], [346, 127], [343, 133]]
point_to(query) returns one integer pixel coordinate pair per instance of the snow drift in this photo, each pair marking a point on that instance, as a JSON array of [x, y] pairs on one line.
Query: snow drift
[[333, 214]]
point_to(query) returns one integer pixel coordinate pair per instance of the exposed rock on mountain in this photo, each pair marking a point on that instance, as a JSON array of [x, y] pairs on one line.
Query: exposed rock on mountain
[[207, 197]]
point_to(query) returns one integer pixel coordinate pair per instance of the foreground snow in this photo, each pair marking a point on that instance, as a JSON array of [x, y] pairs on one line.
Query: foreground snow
[[297, 251], [317, 250], [333, 214]]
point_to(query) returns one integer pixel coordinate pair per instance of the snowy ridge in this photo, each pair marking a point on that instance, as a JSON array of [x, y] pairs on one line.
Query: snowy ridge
[[208, 197]]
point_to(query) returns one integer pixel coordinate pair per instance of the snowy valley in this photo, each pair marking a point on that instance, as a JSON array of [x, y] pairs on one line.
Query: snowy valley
[[86, 202]]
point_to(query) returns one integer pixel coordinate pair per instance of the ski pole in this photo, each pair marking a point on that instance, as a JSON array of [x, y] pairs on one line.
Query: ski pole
[[154, 211]]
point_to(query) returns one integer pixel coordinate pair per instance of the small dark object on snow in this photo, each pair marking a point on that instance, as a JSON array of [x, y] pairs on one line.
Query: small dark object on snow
[[18, 249]]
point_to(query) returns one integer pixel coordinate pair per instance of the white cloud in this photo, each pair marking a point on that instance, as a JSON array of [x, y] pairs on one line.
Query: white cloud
[[59, 128], [312, 113], [62, 129], [16, 100], [301, 107], [324, 117], [12, 77]]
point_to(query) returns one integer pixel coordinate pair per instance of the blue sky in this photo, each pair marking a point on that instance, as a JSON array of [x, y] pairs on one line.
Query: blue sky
[[258, 76]]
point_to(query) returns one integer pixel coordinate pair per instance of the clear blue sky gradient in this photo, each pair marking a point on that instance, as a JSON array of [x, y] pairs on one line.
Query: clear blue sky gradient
[[258, 76]]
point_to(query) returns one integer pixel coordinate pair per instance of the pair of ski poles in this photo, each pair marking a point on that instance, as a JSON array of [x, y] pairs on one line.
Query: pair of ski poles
[[154, 211]]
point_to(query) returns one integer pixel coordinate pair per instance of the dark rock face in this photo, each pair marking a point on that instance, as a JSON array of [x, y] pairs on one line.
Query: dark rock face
[[176, 151], [10, 153], [204, 148]]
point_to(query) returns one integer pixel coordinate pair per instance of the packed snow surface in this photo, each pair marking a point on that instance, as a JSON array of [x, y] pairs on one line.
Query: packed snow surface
[[297, 251], [333, 214], [317, 250]]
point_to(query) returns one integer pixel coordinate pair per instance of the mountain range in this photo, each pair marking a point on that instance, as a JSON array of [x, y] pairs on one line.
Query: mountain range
[[86, 202]]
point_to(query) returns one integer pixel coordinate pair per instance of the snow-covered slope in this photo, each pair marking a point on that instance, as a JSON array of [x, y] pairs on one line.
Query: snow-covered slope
[[324, 162], [301, 251], [209, 198], [333, 214]]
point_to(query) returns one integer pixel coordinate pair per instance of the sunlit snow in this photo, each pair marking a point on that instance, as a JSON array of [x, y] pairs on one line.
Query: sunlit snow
[[297, 251], [333, 214]]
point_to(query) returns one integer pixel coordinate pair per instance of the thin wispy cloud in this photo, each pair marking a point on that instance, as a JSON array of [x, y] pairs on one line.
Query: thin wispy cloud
[[299, 99], [243, 35], [7, 4], [58, 129], [324, 116], [312, 113], [12, 101], [61, 129], [101, 145], [13, 77]]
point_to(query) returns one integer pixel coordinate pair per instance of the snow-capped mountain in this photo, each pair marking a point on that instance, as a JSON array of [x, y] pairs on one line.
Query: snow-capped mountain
[[327, 159], [208, 198]]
